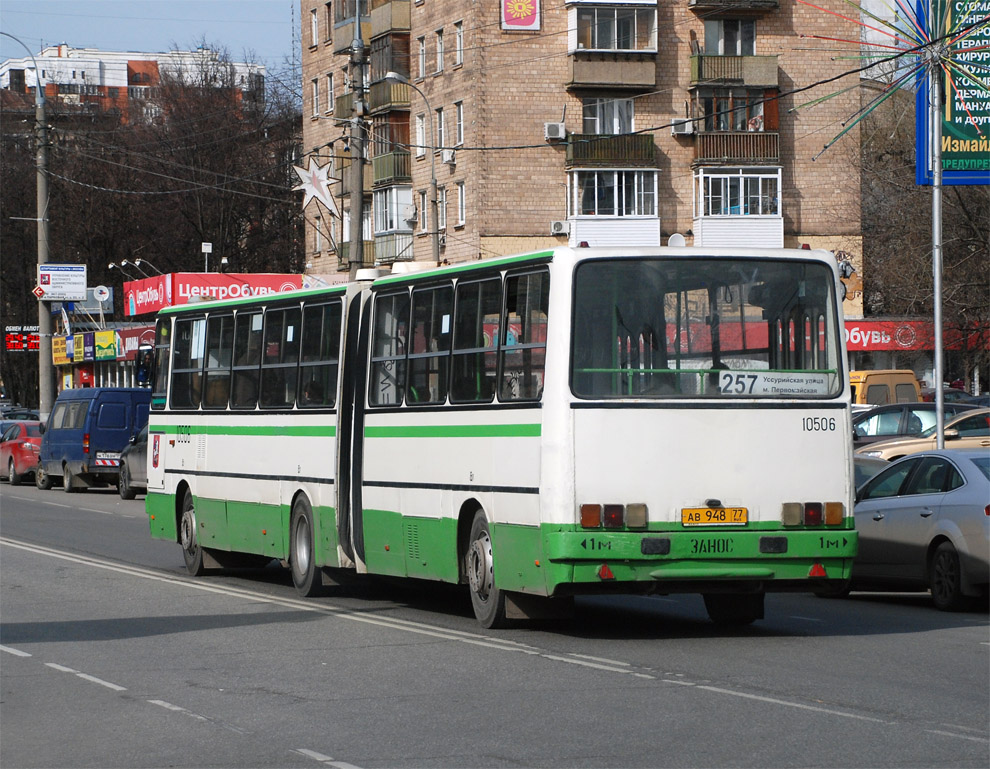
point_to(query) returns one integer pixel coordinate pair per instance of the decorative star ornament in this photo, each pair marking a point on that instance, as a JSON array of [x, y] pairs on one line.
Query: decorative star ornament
[[316, 184]]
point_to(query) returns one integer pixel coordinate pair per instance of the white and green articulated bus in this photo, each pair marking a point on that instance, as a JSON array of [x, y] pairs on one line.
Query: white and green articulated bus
[[568, 422]]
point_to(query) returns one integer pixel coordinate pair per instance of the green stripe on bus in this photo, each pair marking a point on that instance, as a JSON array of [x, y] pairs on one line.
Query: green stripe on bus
[[503, 261], [454, 431], [317, 431]]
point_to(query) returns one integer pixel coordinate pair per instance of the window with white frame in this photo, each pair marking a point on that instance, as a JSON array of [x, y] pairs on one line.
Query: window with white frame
[[329, 20], [439, 50], [329, 93], [420, 135], [440, 130], [615, 28], [458, 123], [314, 27], [461, 204], [458, 43], [737, 192], [318, 235], [442, 209], [424, 223], [421, 48], [730, 37], [612, 193], [388, 205], [316, 97], [608, 116]]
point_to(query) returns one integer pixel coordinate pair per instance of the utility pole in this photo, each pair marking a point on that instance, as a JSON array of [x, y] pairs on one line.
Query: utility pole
[[355, 254]]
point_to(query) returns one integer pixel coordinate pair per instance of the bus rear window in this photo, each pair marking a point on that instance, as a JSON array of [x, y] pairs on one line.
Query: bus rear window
[[704, 328]]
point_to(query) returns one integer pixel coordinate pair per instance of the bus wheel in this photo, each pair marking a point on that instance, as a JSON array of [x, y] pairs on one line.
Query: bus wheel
[[486, 599], [306, 575], [42, 479], [191, 551], [734, 609]]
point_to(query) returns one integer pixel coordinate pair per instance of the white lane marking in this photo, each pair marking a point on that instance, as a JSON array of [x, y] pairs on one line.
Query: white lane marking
[[679, 683], [786, 703], [599, 659], [61, 668], [324, 759], [92, 679], [958, 736], [586, 664], [806, 619], [12, 650], [177, 709]]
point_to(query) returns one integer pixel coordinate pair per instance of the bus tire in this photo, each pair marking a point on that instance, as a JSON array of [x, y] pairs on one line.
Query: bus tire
[[192, 552], [946, 579], [42, 480], [306, 575], [734, 609], [487, 600]]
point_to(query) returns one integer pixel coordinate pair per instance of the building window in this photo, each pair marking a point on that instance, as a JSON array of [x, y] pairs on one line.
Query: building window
[[442, 209], [329, 93], [421, 43], [316, 97], [458, 123], [458, 43], [610, 28], [730, 37], [388, 205], [439, 50], [420, 135], [318, 238], [329, 20], [613, 193], [423, 217], [732, 109], [461, 204], [608, 116], [440, 131], [314, 28], [737, 192]]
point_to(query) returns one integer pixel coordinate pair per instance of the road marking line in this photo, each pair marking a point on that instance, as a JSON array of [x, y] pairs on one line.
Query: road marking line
[[12, 650], [585, 664], [599, 659], [101, 682], [774, 701], [806, 619], [61, 668], [958, 736], [325, 759], [177, 709]]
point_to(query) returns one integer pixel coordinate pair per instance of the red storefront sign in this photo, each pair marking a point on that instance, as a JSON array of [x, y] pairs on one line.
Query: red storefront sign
[[152, 294], [870, 335]]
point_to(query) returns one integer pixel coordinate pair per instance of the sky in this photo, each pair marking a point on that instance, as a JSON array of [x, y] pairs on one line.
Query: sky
[[263, 26]]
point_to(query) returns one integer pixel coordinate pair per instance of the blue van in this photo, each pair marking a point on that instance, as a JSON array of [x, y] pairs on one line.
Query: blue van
[[85, 434]]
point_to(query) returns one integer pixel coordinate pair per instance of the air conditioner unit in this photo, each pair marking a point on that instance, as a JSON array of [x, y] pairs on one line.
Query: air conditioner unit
[[554, 132], [560, 227], [448, 157], [681, 127], [409, 213]]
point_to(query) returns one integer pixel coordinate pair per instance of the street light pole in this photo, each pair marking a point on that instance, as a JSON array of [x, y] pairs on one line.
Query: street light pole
[[46, 386], [355, 254], [434, 213]]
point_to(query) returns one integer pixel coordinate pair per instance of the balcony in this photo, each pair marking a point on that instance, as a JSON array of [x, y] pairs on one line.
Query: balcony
[[735, 147], [385, 95], [343, 104], [635, 150], [391, 168], [389, 16], [633, 71], [345, 32], [758, 71], [344, 173], [393, 247], [344, 249], [735, 6]]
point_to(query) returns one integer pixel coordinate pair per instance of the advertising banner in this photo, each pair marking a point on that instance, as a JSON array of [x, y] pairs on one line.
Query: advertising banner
[[106, 345], [130, 339], [521, 15], [62, 350], [864, 335], [61, 282], [152, 294]]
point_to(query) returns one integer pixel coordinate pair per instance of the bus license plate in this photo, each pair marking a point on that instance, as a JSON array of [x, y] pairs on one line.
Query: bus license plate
[[714, 516]]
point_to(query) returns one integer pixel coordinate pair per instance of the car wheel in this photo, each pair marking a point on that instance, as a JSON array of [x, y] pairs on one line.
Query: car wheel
[[12, 475], [70, 484], [123, 484], [192, 553], [306, 575], [734, 609], [487, 600], [42, 479], [946, 579]]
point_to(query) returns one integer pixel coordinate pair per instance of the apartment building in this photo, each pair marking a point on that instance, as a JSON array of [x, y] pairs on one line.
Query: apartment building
[[616, 122]]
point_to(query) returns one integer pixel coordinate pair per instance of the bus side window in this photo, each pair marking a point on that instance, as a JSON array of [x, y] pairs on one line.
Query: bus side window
[[247, 358], [187, 362], [219, 343], [388, 354], [280, 361], [429, 356], [523, 336], [476, 317], [319, 355], [163, 351]]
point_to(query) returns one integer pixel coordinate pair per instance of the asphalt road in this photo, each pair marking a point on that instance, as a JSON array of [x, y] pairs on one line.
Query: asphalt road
[[110, 656]]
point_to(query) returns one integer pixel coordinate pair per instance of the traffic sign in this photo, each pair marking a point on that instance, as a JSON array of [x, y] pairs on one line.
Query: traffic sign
[[38, 291], [61, 282]]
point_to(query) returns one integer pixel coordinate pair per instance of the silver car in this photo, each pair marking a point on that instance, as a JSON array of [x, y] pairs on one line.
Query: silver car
[[924, 523], [134, 466]]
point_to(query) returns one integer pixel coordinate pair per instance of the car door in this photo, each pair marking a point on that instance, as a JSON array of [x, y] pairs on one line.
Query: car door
[[875, 514], [139, 458], [974, 432], [7, 441]]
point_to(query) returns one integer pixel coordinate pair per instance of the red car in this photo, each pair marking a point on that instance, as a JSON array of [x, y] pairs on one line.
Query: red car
[[19, 446]]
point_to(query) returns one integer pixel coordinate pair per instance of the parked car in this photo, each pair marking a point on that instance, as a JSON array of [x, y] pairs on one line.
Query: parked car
[[865, 468], [950, 395], [134, 466], [924, 523], [21, 414], [896, 420], [884, 386], [88, 428], [19, 444], [967, 430]]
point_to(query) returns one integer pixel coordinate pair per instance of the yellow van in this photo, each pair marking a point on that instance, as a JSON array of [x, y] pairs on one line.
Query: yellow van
[[884, 386]]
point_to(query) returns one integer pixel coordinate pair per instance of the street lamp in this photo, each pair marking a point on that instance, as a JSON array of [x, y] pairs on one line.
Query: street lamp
[[120, 268], [434, 215], [125, 263], [139, 262]]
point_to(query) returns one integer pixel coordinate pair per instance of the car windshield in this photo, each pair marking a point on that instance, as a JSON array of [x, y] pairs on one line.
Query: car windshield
[[704, 327]]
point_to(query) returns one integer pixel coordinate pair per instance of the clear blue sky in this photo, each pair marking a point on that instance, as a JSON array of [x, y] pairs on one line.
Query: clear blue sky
[[265, 27]]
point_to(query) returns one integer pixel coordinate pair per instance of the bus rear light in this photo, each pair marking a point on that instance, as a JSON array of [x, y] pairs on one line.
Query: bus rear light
[[613, 516], [791, 514], [813, 513], [86, 443], [636, 515], [835, 513], [591, 516]]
